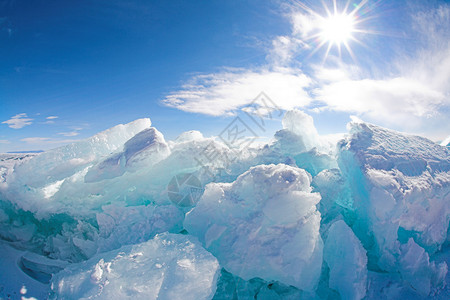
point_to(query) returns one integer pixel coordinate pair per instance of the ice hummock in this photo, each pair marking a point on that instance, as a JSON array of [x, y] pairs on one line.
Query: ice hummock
[[378, 199], [264, 224], [60, 163], [168, 267], [148, 147], [400, 187]]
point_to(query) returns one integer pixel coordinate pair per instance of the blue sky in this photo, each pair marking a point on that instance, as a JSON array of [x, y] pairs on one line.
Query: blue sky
[[69, 69]]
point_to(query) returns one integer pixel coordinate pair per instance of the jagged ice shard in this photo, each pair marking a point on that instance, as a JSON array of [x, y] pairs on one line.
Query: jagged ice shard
[[302, 217]]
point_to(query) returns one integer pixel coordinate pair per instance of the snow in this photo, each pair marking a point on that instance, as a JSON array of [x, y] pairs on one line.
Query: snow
[[100, 214], [14, 283], [169, 266]]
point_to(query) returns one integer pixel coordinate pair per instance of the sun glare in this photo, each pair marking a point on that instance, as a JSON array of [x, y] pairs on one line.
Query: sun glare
[[337, 29]]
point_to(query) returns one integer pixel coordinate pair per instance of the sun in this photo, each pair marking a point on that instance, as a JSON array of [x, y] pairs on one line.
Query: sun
[[337, 29]]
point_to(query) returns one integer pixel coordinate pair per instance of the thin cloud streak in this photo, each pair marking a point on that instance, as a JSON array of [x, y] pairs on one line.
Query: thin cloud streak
[[70, 133], [47, 141]]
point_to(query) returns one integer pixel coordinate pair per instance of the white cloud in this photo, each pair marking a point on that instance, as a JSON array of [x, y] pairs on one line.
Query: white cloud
[[70, 133], [35, 140], [225, 92], [4, 142], [73, 132], [50, 119], [284, 48], [395, 100], [304, 24], [18, 121], [46, 141], [431, 63]]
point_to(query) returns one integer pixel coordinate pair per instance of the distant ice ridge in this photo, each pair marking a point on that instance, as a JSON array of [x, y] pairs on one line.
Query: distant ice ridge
[[304, 216]]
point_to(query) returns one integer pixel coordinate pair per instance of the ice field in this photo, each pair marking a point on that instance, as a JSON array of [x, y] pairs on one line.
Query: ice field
[[126, 214]]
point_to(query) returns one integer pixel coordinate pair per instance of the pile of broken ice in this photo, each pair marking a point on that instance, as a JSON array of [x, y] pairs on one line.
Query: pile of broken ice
[[300, 218]]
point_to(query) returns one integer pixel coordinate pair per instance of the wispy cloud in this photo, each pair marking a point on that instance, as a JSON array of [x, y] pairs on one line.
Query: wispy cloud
[[70, 133], [6, 26], [18, 121], [35, 140], [47, 141], [4, 142], [74, 131], [284, 48], [225, 92], [50, 120], [395, 100]]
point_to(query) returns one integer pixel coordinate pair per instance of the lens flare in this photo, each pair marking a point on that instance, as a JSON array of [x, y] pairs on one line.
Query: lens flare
[[337, 29]]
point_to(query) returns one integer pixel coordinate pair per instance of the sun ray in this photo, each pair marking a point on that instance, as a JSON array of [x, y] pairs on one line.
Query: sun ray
[[350, 51], [359, 42], [346, 6], [338, 27], [317, 48], [326, 53], [358, 7], [326, 8]]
